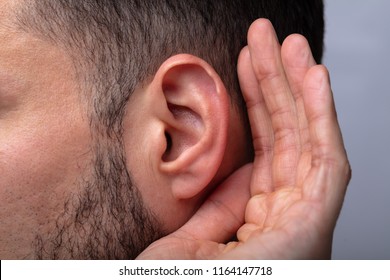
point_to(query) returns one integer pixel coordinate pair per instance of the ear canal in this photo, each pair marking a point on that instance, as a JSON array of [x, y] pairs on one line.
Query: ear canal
[[166, 155]]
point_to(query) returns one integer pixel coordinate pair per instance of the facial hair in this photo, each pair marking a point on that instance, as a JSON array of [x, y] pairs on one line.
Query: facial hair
[[106, 220]]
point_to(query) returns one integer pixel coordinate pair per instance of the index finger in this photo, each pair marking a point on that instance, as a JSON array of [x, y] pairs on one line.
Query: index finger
[[261, 128], [268, 68]]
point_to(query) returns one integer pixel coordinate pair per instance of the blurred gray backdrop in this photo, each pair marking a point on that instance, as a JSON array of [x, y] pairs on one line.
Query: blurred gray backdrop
[[357, 54]]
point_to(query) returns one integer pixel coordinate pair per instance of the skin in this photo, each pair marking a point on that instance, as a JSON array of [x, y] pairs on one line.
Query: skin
[[46, 151], [33, 141], [47, 156], [299, 176]]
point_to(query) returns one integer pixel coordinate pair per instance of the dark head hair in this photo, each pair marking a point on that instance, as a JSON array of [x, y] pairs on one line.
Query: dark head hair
[[118, 44]]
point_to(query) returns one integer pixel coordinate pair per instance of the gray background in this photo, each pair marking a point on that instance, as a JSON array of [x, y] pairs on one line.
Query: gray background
[[357, 55]]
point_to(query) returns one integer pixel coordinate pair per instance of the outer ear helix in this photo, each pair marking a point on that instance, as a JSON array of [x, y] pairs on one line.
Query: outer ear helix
[[196, 123]]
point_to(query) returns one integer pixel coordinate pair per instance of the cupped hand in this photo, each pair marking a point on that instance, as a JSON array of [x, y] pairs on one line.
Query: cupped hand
[[286, 203]]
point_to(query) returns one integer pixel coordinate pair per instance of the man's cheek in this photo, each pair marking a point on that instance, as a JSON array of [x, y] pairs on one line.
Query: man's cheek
[[35, 172], [27, 174]]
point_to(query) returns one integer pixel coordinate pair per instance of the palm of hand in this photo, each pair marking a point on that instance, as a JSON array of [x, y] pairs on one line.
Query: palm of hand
[[279, 225]]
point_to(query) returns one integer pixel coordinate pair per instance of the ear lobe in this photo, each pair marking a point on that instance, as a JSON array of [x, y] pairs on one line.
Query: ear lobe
[[196, 123]]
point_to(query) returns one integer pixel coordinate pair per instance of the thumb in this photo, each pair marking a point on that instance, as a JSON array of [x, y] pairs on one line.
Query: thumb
[[223, 213]]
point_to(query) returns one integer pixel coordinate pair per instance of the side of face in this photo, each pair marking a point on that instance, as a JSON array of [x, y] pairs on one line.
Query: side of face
[[177, 140], [44, 138]]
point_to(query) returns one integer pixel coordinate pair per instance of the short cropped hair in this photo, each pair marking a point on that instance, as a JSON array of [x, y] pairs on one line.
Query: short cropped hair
[[119, 44]]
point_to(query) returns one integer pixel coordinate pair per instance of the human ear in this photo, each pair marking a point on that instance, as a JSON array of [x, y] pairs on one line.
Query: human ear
[[190, 110]]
